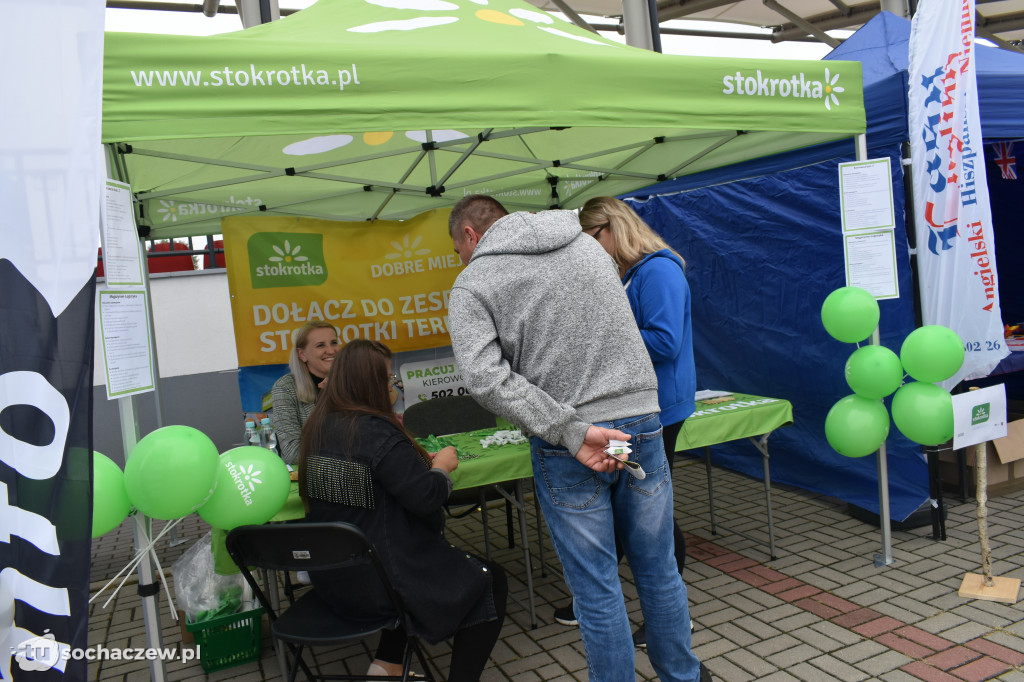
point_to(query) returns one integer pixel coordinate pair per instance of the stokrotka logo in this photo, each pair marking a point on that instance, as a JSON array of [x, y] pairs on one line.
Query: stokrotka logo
[[797, 86], [286, 259]]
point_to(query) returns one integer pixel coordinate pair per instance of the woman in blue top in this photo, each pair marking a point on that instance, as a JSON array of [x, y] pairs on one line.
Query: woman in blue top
[[660, 298]]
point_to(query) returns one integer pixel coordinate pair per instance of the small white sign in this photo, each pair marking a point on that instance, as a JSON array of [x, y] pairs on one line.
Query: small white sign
[[125, 331], [871, 263], [422, 381], [122, 249], [865, 195], [979, 416]]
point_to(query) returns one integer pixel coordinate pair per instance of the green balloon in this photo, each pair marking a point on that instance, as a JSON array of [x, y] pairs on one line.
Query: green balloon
[[252, 486], [171, 472], [874, 372], [923, 413], [932, 353], [856, 426], [110, 503], [850, 314]]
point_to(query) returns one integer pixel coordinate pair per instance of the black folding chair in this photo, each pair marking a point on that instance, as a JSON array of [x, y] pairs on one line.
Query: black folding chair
[[456, 414], [309, 622]]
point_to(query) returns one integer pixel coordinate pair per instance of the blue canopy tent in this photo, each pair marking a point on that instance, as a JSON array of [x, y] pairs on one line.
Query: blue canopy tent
[[763, 248]]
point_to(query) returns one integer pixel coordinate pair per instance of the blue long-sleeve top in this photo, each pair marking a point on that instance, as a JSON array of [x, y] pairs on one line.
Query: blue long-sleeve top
[[660, 298]]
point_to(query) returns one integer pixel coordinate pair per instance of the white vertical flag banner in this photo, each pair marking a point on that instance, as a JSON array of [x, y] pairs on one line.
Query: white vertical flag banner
[[51, 177], [955, 244]]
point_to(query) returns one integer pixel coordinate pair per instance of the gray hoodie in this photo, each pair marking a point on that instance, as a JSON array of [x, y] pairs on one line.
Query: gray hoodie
[[543, 332]]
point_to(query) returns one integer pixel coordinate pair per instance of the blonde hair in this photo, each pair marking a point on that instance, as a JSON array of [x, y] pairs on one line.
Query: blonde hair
[[305, 389], [634, 238]]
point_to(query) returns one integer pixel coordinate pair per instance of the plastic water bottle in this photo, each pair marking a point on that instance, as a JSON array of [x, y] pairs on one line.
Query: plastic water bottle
[[252, 437], [268, 434]]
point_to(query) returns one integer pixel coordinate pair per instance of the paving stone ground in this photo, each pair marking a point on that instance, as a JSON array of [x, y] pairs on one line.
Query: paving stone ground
[[821, 611]]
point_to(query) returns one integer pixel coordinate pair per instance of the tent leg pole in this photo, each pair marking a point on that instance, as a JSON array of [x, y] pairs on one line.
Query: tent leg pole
[[885, 558], [142, 527]]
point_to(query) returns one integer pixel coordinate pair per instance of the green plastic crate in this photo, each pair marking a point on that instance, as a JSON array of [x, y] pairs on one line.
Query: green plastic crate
[[230, 640]]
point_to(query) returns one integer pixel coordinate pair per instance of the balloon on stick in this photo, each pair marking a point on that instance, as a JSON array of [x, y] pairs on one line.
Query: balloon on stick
[[850, 314], [932, 353], [171, 472], [252, 486], [923, 413], [874, 371], [856, 426], [110, 503]]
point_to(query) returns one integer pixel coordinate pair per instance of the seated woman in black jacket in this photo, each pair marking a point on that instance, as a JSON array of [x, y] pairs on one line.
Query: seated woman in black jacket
[[358, 465]]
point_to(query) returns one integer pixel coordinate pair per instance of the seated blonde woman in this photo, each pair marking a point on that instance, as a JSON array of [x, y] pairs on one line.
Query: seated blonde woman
[[294, 394]]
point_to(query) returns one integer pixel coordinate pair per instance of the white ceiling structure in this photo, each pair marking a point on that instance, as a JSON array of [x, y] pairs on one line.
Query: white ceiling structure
[[1000, 21]]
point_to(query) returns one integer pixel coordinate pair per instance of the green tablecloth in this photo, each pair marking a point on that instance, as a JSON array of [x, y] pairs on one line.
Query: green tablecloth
[[493, 464], [742, 417]]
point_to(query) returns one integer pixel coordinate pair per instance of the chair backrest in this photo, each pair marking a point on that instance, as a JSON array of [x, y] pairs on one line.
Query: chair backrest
[[305, 547], [450, 414]]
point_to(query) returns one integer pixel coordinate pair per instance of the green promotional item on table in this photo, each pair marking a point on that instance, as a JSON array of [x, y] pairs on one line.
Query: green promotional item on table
[[171, 472], [110, 503], [932, 353], [252, 486], [874, 371], [923, 413], [856, 426]]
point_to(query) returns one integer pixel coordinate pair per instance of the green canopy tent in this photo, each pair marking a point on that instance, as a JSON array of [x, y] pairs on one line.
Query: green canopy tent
[[358, 110]]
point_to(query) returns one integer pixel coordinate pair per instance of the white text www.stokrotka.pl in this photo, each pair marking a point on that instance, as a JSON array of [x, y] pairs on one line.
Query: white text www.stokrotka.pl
[[248, 76]]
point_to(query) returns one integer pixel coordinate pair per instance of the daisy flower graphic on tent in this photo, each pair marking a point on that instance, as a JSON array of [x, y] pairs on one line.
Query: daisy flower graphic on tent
[[169, 210], [250, 476], [514, 17], [406, 250], [287, 254], [831, 89]]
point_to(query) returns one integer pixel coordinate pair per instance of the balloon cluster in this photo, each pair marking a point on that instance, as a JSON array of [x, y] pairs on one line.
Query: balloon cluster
[[858, 424], [176, 470]]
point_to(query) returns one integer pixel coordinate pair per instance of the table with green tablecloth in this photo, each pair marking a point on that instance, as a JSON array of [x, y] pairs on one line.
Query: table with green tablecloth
[[731, 418], [478, 466]]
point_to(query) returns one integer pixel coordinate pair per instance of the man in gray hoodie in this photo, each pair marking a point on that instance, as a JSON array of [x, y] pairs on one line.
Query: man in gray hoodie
[[544, 336]]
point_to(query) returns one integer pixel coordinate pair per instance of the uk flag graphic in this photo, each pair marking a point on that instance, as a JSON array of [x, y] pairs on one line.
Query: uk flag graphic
[[1005, 159]]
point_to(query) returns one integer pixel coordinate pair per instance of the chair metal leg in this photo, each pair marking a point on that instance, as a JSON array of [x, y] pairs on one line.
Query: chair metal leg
[[540, 535], [509, 527], [296, 662], [487, 528], [527, 560]]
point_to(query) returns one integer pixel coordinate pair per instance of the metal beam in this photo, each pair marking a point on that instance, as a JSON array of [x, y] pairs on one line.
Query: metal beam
[[987, 35], [802, 23], [573, 16], [683, 8], [828, 21], [998, 23]]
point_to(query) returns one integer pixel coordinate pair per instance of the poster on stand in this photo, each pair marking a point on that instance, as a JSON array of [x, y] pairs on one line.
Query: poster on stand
[[871, 263], [865, 195], [122, 248], [127, 348]]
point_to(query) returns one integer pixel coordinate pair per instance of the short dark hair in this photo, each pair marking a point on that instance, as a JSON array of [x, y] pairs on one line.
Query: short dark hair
[[479, 210]]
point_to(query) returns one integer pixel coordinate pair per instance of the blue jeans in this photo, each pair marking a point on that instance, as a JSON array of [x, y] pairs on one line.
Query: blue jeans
[[585, 511]]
